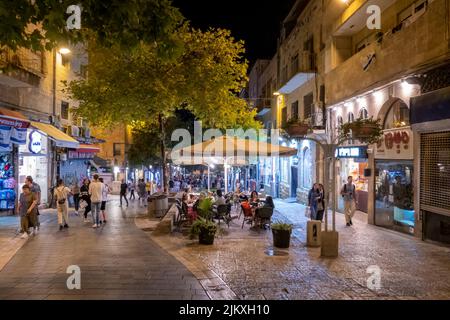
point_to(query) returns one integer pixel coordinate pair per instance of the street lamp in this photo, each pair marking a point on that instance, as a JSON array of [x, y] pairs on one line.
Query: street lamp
[[64, 50]]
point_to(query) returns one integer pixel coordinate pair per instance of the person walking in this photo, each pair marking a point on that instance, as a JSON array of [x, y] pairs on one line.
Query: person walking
[[36, 189], [76, 196], [320, 202], [84, 193], [96, 193], [348, 193], [27, 210], [313, 197], [61, 195], [142, 192], [132, 187], [105, 191], [123, 192]]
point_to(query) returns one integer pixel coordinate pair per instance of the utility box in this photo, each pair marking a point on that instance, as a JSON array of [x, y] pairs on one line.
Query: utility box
[[314, 233]]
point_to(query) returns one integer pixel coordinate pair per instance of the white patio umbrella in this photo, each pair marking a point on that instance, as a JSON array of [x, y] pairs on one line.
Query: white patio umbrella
[[229, 150]]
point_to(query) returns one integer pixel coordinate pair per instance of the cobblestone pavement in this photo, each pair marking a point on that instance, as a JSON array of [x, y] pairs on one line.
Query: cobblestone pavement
[[117, 261], [248, 264]]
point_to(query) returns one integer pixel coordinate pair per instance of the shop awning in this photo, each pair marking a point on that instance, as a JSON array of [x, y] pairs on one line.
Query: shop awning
[[87, 148], [13, 119], [60, 138]]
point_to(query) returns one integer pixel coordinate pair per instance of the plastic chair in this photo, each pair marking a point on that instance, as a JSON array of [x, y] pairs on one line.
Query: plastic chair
[[223, 213], [248, 216]]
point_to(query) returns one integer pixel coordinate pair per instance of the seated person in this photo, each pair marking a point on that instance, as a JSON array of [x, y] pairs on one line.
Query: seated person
[[254, 199], [247, 209], [269, 202], [191, 199], [220, 198]]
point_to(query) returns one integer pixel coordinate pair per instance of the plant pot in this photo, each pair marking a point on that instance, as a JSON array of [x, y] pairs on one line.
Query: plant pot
[[281, 238], [297, 130], [204, 237]]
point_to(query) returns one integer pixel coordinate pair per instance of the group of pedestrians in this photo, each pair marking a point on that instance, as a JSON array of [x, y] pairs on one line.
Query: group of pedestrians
[[91, 197], [317, 205], [143, 188]]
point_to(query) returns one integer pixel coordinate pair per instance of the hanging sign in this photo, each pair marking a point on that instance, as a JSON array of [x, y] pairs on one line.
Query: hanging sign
[[35, 145], [351, 152], [395, 144]]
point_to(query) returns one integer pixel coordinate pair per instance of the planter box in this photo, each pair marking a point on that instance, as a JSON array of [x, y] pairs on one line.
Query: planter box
[[281, 238], [297, 130], [364, 131]]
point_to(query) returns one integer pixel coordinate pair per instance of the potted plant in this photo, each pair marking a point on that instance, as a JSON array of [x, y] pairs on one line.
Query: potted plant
[[296, 128], [204, 229], [205, 208], [365, 130], [281, 234]]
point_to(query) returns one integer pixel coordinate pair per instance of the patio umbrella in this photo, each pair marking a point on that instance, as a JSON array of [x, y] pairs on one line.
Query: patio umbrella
[[229, 150]]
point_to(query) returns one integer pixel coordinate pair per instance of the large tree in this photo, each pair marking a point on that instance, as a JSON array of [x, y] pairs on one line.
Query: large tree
[[203, 73], [42, 24]]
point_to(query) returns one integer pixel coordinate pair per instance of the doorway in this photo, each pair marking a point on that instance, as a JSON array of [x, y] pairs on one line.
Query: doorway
[[294, 181]]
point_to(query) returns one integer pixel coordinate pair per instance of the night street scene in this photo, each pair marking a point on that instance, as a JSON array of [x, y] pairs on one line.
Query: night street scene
[[230, 151]]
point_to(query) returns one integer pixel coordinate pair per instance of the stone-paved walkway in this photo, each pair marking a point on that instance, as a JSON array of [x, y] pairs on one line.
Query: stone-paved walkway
[[117, 261], [248, 264]]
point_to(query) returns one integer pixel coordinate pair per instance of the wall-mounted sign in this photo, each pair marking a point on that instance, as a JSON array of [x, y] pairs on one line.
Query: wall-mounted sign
[[80, 155], [35, 145], [395, 144], [352, 152]]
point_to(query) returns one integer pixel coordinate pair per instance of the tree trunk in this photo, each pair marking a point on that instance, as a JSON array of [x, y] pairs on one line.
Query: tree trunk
[[163, 153]]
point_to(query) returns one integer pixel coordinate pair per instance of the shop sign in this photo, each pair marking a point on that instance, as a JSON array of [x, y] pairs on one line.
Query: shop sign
[[351, 152], [395, 144], [35, 145], [80, 155]]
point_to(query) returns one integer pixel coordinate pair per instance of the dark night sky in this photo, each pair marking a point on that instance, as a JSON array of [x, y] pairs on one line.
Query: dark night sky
[[255, 22]]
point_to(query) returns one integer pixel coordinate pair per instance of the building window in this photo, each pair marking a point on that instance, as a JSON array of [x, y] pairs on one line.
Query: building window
[[397, 116], [308, 105], [64, 110], [306, 168], [294, 110], [294, 65], [117, 149], [83, 71], [363, 114], [340, 121], [350, 117], [283, 117]]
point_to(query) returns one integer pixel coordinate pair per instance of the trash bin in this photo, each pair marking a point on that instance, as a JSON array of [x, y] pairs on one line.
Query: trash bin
[[161, 205], [314, 233], [151, 205]]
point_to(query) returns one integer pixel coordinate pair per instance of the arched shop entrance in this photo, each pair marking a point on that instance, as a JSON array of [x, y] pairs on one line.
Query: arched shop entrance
[[394, 170]]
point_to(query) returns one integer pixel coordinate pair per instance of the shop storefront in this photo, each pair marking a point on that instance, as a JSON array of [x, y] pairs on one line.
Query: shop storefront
[[77, 164], [353, 161], [44, 142], [13, 127], [34, 161], [394, 176]]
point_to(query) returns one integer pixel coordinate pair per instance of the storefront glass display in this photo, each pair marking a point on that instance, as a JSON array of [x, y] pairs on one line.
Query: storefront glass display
[[394, 199], [33, 161], [7, 181], [355, 168]]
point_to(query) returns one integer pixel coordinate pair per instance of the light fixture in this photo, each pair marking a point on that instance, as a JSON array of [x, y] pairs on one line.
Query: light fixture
[[276, 93], [406, 87], [64, 51], [378, 96]]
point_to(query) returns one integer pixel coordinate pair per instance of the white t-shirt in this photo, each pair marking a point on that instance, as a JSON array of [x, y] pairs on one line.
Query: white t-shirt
[[105, 191], [95, 190]]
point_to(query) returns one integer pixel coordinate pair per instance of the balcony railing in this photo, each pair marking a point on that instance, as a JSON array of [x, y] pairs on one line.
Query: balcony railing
[[24, 59]]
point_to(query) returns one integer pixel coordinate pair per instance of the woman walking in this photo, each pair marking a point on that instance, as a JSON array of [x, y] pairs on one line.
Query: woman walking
[[76, 196], [320, 202], [84, 193], [61, 195], [27, 210], [313, 198]]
